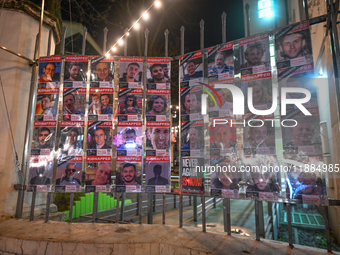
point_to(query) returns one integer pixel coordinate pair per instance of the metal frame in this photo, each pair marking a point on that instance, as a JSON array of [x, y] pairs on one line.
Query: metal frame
[[331, 19]]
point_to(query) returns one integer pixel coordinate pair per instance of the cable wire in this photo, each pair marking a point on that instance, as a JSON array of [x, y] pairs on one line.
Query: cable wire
[[69, 1]]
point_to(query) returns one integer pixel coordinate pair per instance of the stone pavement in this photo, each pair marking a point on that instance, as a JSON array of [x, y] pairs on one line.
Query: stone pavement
[[19, 236]]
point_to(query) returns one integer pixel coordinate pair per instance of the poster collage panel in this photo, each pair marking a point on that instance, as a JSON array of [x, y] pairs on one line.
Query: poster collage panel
[[158, 126], [40, 173], [191, 123]]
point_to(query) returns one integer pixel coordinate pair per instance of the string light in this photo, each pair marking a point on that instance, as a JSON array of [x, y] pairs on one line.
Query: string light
[[146, 16], [135, 25], [157, 3]]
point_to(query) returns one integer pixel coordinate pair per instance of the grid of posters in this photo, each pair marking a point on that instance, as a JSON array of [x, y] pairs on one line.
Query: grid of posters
[[301, 135], [129, 171], [158, 126], [45, 124]]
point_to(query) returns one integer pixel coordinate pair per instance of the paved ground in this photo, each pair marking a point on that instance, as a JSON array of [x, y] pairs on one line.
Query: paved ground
[[52, 238]]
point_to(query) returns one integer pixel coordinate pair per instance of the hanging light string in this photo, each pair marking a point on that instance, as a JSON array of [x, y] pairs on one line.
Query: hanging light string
[[145, 14]]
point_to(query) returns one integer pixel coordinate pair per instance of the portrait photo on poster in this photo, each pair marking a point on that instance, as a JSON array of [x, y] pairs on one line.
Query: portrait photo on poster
[[130, 72], [71, 141], [129, 174], [191, 102], [261, 179], [191, 66], [49, 71], [158, 73], [259, 138], [101, 103], [158, 105], [157, 173], [40, 172], [130, 104], [74, 103], [46, 107], [99, 137], [254, 54], [129, 138], [98, 173], [220, 62], [303, 138], [43, 138], [75, 71], [222, 138], [69, 174], [261, 94], [193, 138], [293, 47], [102, 71], [158, 138]]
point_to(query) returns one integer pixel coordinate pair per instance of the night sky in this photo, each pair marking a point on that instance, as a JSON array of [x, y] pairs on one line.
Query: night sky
[[182, 12]]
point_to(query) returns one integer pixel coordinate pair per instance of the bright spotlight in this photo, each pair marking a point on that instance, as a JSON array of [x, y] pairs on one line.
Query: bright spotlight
[[127, 33], [136, 25], [158, 3], [120, 42], [114, 48], [146, 16], [107, 55]]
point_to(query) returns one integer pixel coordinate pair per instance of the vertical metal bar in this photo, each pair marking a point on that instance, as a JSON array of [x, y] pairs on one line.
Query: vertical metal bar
[[32, 206], [117, 207], [203, 215], [180, 172], [105, 40], [328, 236], [71, 207], [202, 34], [224, 27], [163, 221], [190, 200], [140, 208], [195, 208], [29, 120], [228, 216], [49, 43], [247, 14], [225, 214], [261, 219], [154, 202], [146, 35], [95, 207], [335, 49], [122, 208], [138, 201], [84, 40], [182, 39], [150, 213], [62, 50], [175, 202], [40, 28], [306, 9], [214, 202], [257, 220], [126, 41], [166, 34], [48, 203], [289, 221]]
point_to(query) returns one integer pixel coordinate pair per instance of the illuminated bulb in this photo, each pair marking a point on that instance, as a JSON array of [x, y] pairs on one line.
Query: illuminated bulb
[[158, 3], [136, 26], [107, 55], [127, 33], [114, 48], [146, 16], [120, 42]]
